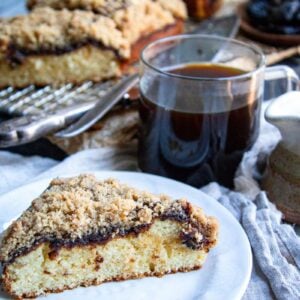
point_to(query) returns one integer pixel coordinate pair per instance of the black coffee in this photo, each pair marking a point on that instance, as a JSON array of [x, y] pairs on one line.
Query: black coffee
[[192, 142]]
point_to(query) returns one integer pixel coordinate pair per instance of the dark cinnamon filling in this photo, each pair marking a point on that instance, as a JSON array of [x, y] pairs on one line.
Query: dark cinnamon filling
[[104, 235], [17, 55]]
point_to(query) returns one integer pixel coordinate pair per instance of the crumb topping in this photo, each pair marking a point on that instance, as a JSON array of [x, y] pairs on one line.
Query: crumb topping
[[105, 7], [109, 7], [46, 29], [53, 28], [176, 7], [142, 18], [77, 208]]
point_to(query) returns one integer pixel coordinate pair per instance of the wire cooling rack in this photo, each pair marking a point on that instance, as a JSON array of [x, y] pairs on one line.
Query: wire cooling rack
[[37, 101]]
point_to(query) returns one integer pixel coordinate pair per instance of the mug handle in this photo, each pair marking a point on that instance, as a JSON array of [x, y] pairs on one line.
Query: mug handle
[[283, 72]]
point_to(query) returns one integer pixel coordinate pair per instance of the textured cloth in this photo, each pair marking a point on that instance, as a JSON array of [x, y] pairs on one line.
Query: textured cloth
[[275, 246], [16, 169]]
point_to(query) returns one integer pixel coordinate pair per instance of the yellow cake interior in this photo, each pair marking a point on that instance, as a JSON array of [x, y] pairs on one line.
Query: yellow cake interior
[[156, 251], [86, 62]]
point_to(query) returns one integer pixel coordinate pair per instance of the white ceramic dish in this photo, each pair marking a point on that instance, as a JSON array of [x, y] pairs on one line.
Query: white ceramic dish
[[225, 274]]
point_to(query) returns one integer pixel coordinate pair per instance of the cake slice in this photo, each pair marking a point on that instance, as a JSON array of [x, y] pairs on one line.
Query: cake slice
[[52, 46], [83, 232]]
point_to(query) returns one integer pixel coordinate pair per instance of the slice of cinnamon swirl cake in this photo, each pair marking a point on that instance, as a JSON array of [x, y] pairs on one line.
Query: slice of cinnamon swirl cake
[[75, 41], [83, 232]]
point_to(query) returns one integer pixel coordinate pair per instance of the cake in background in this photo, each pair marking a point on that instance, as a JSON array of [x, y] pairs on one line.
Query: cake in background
[[134, 18], [50, 46]]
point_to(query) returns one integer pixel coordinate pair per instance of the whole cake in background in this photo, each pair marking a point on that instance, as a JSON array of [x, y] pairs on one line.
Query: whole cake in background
[[78, 41], [82, 232], [275, 16]]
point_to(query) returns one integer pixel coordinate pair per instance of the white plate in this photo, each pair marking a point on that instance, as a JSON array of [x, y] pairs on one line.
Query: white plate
[[225, 275]]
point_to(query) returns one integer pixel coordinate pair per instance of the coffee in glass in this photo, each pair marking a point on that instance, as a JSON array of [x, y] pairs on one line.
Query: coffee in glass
[[199, 108]]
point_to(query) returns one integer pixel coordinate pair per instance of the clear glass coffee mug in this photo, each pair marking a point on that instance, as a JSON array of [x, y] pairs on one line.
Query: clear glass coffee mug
[[196, 128]]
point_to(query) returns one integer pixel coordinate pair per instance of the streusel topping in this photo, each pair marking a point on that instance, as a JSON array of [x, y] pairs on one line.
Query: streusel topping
[[142, 18], [176, 7], [53, 28], [105, 7], [76, 208], [46, 29], [134, 18], [108, 7]]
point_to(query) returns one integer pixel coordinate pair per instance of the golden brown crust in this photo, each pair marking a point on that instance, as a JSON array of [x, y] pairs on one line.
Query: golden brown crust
[[83, 210], [93, 282]]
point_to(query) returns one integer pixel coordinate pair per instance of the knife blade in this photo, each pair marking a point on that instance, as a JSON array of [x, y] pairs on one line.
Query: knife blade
[[30, 128], [101, 108]]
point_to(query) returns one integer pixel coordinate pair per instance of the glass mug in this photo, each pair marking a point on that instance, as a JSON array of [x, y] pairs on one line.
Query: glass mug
[[196, 128]]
